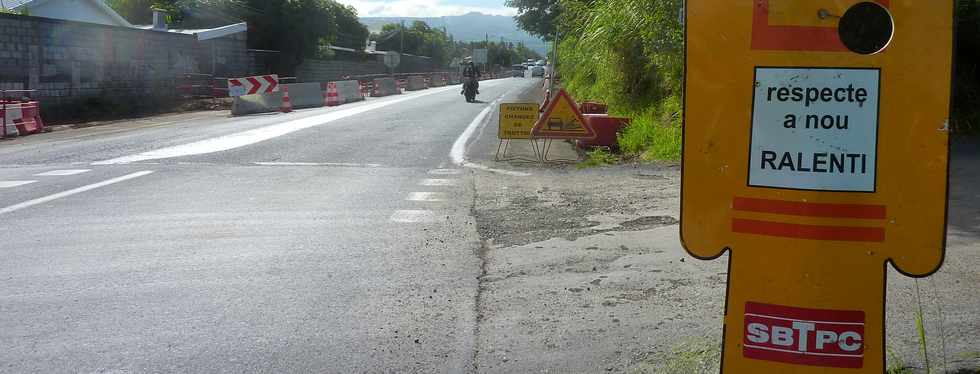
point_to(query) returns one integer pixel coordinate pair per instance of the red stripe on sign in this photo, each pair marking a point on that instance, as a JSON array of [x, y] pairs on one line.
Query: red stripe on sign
[[255, 85], [811, 232], [815, 337], [796, 208], [848, 316], [273, 83], [793, 38]]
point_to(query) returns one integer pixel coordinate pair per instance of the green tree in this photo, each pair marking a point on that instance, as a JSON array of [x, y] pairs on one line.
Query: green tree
[[418, 39], [538, 17], [298, 29]]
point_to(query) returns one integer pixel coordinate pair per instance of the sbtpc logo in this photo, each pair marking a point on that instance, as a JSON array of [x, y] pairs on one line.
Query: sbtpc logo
[[814, 337]]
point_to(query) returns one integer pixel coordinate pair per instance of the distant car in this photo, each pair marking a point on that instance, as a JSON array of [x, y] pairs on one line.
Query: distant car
[[537, 71], [540, 63], [518, 70]]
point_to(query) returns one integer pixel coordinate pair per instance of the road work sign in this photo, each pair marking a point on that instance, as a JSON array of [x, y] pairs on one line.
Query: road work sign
[[816, 152], [261, 84], [562, 120], [517, 120]]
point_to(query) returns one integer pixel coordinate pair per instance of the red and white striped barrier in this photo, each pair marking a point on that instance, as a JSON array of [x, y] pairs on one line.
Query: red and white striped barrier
[[332, 96], [261, 84], [20, 118]]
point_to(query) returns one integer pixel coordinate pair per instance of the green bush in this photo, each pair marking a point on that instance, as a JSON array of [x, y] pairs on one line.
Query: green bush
[[654, 135], [628, 54]]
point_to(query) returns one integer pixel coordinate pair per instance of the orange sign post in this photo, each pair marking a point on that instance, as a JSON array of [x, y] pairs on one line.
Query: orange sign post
[[815, 154]]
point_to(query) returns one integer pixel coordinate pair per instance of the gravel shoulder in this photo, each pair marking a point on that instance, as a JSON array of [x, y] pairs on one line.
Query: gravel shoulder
[[584, 272]]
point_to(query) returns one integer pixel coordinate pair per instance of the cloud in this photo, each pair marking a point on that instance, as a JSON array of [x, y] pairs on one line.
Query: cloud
[[423, 8]]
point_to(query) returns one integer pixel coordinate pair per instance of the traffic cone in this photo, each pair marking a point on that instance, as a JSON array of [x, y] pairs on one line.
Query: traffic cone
[[333, 97], [287, 105]]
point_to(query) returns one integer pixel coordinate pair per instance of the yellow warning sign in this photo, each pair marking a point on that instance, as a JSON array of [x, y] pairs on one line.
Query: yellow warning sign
[[815, 150], [563, 120], [517, 120]]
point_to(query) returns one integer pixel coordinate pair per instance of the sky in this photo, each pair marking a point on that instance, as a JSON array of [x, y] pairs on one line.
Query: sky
[[427, 8]]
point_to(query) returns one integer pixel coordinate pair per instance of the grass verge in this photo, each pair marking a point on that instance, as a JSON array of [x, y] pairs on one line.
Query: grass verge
[[654, 135]]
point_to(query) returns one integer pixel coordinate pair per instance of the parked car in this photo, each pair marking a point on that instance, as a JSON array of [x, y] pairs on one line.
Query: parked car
[[537, 71]]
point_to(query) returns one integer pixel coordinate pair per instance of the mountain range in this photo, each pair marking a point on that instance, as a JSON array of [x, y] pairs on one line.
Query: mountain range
[[469, 27]]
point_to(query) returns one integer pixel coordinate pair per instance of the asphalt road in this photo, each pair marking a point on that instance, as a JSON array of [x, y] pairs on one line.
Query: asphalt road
[[333, 240]]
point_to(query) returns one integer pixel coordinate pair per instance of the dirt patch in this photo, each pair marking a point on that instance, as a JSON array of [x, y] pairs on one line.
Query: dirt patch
[[571, 204]]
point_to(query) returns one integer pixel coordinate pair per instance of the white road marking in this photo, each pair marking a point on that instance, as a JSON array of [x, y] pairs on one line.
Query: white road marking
[[49, 198], [241, 139], [11, 184], [413, 216], [445, 172], [426, 196], [512, 173], [439, 182], [62, 173], [341, 164], [458, 152]]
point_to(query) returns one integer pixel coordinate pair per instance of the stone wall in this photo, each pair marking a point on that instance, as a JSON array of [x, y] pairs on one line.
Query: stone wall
[[78, 67]]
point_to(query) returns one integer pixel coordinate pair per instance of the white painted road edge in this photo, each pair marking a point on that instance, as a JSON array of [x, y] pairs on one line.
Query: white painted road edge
[[49, 198], [458, 152], [241, 139]]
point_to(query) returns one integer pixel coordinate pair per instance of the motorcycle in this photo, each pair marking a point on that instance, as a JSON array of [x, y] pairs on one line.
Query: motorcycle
[[471, 87]]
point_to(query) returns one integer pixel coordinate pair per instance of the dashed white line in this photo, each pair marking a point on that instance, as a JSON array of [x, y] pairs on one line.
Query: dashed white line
[[413, 216], [439, 182], [445, 172], [62, 173], [42, 200], [512, 173], [426, 196], [11, 184]]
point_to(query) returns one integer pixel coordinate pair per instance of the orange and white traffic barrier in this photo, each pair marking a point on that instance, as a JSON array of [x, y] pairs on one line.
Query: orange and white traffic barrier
[[20, 118], [332, 97], [547, 100], [287, 105], [30, 122]]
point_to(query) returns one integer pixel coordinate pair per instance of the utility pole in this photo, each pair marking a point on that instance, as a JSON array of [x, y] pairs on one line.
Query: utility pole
[[554, 65], [402, 32]]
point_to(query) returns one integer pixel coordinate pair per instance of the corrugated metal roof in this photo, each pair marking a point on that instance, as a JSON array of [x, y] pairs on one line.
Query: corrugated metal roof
[[11, 4]]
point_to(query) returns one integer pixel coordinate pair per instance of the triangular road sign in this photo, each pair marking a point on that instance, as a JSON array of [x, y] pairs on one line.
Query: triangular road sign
[[562, 120]]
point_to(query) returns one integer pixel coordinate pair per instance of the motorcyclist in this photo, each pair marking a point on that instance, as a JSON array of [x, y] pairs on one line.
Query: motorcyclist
[[472, 74]]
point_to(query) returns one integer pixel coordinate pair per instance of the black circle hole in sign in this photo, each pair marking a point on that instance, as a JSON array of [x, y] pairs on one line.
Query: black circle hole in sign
[[866, 28]]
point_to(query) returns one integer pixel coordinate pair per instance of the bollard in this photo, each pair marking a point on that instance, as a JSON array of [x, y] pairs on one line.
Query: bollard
[[333, 98], [287, 105]]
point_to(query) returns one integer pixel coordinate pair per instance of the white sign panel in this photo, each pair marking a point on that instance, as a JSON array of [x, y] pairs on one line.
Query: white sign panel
[[236, 91], [392, 59], [815, 129], [480, 56]]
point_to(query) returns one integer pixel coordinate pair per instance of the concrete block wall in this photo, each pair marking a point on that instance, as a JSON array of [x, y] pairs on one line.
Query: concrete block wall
[[73, 65], [332, 70]]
